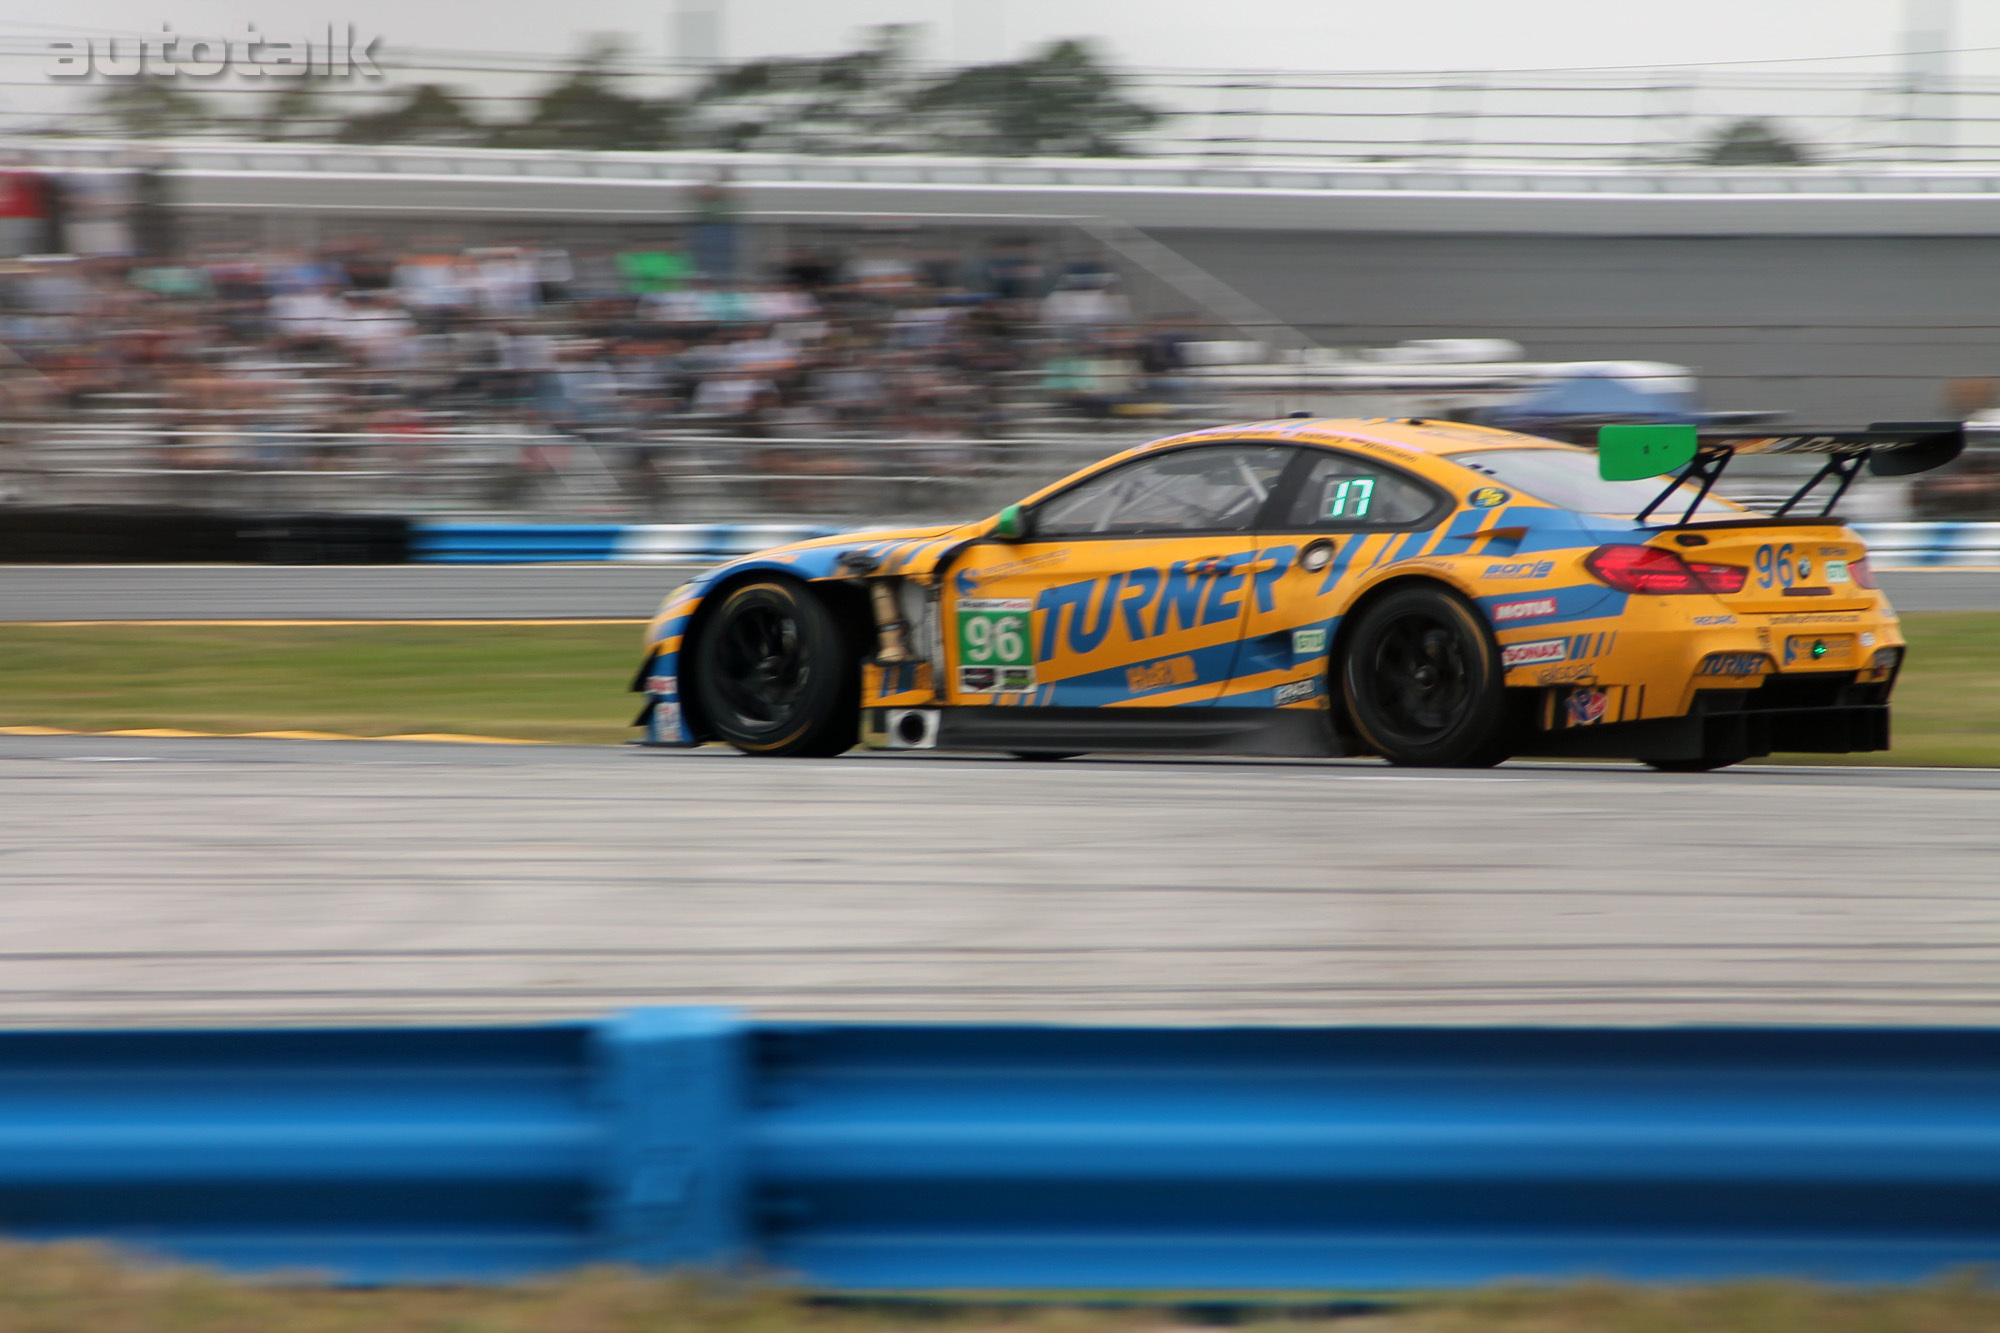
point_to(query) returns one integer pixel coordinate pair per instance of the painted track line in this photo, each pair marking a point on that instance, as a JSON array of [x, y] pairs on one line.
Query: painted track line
[[174, 733], [276, 624]]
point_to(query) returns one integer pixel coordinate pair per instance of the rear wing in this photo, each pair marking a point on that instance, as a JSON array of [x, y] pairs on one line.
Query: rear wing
[[1889, 448]]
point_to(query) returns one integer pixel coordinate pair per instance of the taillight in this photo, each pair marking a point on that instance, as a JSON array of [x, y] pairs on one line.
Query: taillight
[[1863, 576], [1720, 578], [1648, 569]]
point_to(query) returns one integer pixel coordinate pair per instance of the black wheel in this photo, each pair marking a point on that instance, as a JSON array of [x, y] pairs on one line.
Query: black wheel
[[1423, 683], [1045, 756], [776, 674], [1706, 764]]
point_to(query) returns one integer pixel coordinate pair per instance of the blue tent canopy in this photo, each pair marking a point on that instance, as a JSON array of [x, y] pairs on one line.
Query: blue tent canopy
[[1597, 394]]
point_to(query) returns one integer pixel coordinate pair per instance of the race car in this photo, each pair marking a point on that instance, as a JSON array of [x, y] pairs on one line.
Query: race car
[[1431, 592]]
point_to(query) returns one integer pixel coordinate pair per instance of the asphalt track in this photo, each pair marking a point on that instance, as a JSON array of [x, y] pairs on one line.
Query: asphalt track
[[511, 592], [203, 881]]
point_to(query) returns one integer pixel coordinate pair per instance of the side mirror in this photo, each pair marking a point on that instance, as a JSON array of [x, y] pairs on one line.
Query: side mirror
[[1013, 523]]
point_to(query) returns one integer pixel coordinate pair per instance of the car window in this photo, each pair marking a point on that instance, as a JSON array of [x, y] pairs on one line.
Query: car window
[[1568, 479], [1341, 491], [1209, 489]]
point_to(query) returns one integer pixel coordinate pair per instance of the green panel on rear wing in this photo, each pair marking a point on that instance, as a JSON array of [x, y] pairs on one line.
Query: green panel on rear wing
[[1634, 453]]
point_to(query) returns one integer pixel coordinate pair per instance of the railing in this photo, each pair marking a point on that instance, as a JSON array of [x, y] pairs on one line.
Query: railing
[[478, 475], [1370, 168], [910, 1158], [685, 478], [1660, 117], [1438, 119]]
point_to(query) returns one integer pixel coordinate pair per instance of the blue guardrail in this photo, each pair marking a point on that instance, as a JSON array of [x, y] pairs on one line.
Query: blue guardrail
[[939, 1157], [591, 543], [1890, 545]]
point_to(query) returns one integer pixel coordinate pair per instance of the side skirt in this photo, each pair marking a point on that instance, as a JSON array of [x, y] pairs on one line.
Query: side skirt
[[1292, 733]]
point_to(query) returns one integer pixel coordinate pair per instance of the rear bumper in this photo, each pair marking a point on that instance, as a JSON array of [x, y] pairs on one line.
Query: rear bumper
[[1799, 712], [1748, 735]]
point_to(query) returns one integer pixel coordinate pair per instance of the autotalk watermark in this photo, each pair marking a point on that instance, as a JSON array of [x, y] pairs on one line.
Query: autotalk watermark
[[339, 52]]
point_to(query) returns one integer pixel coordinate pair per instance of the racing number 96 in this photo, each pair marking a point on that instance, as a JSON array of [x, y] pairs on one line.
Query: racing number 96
[[994, 639], [1774, 565], [993, 631]]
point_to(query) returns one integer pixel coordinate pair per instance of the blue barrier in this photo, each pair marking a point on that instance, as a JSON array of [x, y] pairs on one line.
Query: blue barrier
[[636, 543], [1931, 545], [512, 543], [1303, 1159], [908, 1157], [385, 1155], [1891, 545]]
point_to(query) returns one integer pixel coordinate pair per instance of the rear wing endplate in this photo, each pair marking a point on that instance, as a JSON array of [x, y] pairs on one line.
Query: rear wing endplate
[[1889, 448]]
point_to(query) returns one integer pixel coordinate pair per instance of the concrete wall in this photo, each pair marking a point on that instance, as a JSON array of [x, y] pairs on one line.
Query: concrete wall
[[1833, 328]]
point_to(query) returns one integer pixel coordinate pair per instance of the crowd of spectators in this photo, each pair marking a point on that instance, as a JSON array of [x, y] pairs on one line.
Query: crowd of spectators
[[313, 360]]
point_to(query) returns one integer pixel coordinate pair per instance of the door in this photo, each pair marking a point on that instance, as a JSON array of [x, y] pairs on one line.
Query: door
[[1130, 589], [1336, 514]]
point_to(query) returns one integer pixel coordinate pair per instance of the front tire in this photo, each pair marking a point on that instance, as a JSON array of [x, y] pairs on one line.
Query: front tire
[[776, 674], [1423, 682]]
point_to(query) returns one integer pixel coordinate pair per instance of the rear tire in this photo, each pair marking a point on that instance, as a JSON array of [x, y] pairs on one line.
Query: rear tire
[[1705, 764], [776, 674], [1423, 683]]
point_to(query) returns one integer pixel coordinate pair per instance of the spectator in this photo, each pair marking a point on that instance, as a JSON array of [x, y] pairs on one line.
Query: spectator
[[283, 361]]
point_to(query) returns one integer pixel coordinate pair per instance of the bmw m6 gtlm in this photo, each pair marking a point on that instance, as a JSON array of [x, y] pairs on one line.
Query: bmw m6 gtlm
[[1430, 592]]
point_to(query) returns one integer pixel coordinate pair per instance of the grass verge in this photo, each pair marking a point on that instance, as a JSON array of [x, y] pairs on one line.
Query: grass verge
[[567, 682], [531, 682], [77, 1288], [1947, 704]]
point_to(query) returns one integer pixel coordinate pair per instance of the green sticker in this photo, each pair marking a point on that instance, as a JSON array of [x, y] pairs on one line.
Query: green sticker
[[994, 652], [1640, 452], [1306, 642]]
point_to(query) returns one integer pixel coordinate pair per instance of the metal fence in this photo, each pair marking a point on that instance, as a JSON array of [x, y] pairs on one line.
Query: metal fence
[[487, 473], [535, 477], [1525, 118], [1657, 117]]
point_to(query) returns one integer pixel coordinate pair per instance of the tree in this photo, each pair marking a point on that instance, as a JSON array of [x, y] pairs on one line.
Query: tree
[[850, 103], [1751, 142], [1059, 103], [429, 114], [295, 109], [586, 110], [150, 108]]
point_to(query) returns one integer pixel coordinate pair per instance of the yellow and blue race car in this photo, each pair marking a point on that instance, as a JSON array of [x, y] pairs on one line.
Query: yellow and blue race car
[[1431, 592]]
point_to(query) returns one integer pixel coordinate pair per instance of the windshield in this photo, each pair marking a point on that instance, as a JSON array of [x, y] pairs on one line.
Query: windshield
[[1568, 478]]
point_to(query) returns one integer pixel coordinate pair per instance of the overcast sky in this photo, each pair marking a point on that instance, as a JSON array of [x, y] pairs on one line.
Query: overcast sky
[[1247, 34]]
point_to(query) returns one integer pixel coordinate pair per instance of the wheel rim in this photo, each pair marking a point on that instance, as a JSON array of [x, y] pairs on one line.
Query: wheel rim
[[1420, 677], [761, 666]]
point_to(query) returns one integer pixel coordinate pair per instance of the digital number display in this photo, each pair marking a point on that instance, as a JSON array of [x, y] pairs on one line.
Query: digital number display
[[1350, 499]]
